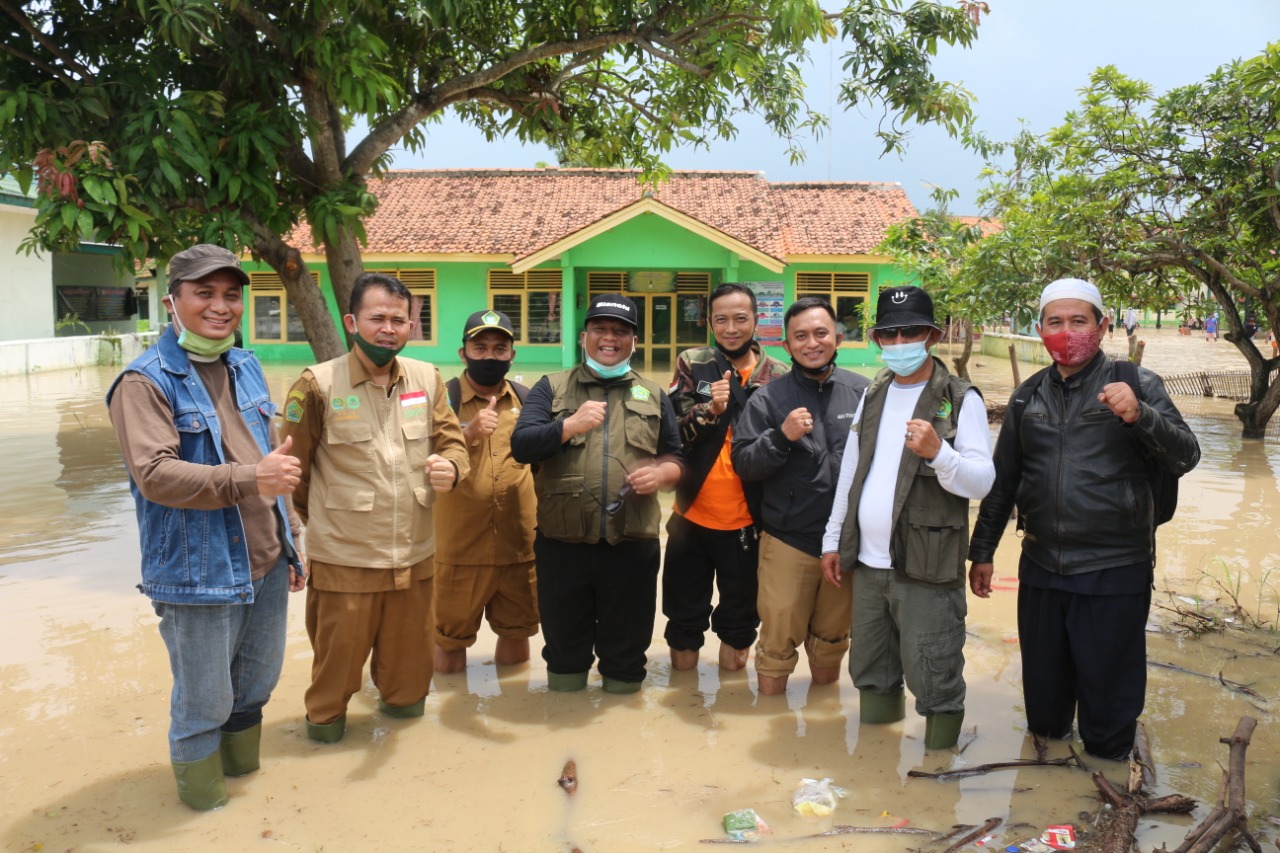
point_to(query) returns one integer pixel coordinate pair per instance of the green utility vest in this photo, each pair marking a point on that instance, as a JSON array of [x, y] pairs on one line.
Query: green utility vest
[[930, 525], [576, 485]]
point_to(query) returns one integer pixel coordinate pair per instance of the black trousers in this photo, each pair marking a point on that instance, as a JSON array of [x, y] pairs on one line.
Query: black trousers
[[1085, 653], [698, 557], [597, 600]]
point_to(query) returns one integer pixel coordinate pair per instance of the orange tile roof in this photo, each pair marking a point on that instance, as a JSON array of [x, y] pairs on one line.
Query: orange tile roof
[[519, 211], [834, 218], [986, 224]]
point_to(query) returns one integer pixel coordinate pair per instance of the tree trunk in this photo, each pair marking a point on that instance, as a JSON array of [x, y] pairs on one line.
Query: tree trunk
[[961, 362], [345, 265], [1264, 390], [304, 294]]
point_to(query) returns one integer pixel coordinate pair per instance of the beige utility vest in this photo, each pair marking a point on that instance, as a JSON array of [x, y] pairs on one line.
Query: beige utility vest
[[575, 485], [930, 536], [370, 503]]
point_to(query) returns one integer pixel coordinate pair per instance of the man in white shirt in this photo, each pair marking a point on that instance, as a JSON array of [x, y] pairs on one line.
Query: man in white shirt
[[908, 553]]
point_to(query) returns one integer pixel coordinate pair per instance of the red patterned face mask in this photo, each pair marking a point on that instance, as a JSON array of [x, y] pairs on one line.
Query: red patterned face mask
[[1070, 348]]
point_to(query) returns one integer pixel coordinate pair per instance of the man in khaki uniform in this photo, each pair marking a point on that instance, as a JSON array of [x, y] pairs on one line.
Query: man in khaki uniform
[[377, 441], [484, 550]]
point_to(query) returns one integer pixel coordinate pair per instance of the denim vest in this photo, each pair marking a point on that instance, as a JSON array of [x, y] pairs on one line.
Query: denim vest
[[198, 556]]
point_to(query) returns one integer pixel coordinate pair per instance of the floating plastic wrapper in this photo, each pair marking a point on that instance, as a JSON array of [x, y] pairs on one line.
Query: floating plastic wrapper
[[816, 797], [745, 825]]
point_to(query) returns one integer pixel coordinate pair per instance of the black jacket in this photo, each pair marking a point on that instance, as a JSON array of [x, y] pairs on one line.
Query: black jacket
[[703, 433], [799, 477], [1075, 472]]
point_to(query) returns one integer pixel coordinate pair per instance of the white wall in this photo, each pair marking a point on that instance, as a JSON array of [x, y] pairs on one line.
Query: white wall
[[26, 281]]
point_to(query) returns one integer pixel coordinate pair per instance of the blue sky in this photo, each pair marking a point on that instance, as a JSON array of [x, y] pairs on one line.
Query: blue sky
[[1030, 61]]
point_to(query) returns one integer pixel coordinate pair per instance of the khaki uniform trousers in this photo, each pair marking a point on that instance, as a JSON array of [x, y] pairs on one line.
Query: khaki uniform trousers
[[798, 608], [507, 595], [398, 626]]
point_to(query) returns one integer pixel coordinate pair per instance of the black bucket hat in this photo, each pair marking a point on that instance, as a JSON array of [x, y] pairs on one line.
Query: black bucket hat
[[903, 306]]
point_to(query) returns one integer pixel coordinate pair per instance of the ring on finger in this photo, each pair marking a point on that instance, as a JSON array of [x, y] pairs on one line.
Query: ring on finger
[[910, 435], [808, 422]]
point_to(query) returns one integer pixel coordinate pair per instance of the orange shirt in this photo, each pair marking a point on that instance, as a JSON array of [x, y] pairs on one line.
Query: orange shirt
[[721, 504]]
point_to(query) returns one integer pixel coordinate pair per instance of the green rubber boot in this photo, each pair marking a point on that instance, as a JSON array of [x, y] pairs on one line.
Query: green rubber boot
[[403, 712], [613, 685], [240, 751], [327, 732], [566, 682], [200, 783], [881, 708], [941, 731]]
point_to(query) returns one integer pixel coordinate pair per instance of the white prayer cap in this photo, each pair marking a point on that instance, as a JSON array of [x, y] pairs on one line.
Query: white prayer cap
[[1071, 288]]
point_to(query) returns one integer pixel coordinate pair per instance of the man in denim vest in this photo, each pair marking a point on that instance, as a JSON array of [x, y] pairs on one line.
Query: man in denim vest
[[194, 422]]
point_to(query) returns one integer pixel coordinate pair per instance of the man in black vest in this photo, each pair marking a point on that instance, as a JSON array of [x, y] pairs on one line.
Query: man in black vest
[[920, 436]]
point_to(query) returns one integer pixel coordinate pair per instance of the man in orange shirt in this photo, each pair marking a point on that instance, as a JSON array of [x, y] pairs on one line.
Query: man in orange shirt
[[712, 535]]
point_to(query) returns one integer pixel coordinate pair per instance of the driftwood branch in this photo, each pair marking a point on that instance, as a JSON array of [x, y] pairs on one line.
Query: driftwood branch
[[985, 829], [1236, 686], [1230, 814], [965, 772]]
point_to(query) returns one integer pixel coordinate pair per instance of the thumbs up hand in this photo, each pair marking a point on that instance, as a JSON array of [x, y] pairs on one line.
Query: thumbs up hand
[[484, 423], [720, 394], [278, 473]]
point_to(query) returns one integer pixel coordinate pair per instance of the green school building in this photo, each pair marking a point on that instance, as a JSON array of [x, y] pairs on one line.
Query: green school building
[[538, 243]]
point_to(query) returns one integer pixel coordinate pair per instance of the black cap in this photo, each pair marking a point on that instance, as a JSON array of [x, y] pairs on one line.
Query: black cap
[[488, 319], [199, 261], [903, 306], [613, 305]]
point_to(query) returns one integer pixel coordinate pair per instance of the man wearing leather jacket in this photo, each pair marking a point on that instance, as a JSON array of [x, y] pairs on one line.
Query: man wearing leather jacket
[[1070, 457]]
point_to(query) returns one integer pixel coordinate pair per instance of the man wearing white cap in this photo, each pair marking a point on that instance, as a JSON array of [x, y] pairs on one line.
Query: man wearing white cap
[[1074, 457]]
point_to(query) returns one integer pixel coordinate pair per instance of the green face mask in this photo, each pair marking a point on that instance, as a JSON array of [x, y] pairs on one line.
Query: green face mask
[[199, 345], [380, 356]]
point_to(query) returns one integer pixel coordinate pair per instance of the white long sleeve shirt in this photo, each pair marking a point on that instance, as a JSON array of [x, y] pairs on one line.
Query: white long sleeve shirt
[[965, 470]]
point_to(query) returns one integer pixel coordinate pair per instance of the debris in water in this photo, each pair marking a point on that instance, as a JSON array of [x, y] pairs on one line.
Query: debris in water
[[569, 777]]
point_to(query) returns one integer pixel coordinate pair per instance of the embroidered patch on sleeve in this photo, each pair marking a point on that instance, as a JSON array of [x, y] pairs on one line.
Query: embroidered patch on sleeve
[[293, 411]]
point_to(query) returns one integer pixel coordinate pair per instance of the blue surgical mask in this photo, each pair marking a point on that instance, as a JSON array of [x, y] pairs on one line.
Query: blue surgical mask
[[616, 371], [905, 359]]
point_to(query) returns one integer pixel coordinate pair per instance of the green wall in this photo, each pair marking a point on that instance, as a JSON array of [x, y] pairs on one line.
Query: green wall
[[647, 242]]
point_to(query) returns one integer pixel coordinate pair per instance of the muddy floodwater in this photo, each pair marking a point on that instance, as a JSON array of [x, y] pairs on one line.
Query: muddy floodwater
[[84, 689]]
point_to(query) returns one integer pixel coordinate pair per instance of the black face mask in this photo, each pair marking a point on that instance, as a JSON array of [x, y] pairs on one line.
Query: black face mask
[[816, 374], [731, 354], [486, 372]]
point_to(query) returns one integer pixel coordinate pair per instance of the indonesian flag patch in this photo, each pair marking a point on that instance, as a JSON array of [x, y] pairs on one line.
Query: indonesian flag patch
[[414, 404]]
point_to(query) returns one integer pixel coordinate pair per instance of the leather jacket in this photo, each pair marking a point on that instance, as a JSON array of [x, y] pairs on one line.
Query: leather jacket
[[1075, 472]]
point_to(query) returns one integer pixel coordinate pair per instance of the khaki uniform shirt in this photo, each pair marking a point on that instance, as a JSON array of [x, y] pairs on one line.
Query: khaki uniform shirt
[[488, 520], [363, 448]]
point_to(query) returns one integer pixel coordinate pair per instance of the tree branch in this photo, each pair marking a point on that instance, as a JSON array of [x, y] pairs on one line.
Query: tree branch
[[260, 22], [423, 104], [44, 41], [26, 57]]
